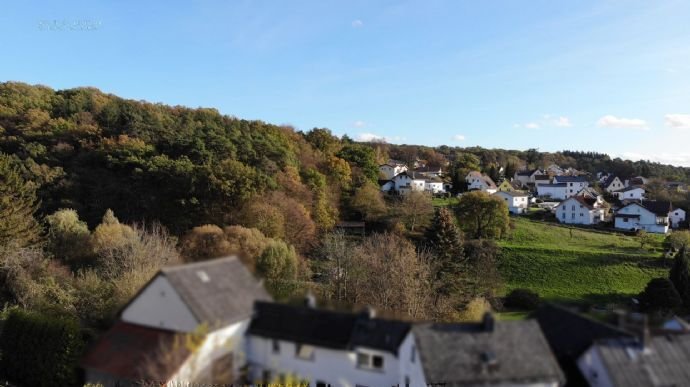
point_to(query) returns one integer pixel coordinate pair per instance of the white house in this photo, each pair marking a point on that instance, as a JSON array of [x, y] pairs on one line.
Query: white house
[[391, 168], [647, 361], [676, 217], [555, 169], [527, 176], [217, 294], [477, 181], [580, 210], [649, 215], [434, 185], [556, 191], [612, 183], [331, 348], [630, 193], [405, 183], [338, 349], [517, 201], [574, 184]]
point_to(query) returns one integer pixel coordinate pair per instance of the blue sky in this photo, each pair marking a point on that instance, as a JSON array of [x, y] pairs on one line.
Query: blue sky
[[609, 76]]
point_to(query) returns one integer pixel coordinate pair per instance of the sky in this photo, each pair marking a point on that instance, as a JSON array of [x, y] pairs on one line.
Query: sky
[[606, 76]]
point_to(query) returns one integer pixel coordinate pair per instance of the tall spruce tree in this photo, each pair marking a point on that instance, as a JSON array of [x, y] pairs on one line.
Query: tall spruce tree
[[17, 206], [680, 276], [446, 243]]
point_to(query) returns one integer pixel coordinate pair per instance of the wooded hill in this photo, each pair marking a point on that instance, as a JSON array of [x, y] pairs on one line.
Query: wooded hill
[[91, 151]]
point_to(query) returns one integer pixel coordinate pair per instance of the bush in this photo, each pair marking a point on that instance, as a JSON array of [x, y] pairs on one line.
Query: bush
[[522, 299], [659, 295], [39, 350]]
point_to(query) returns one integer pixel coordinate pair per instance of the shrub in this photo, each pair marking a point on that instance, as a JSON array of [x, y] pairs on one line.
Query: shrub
[[39, 350], [659, 295], [522, 299]]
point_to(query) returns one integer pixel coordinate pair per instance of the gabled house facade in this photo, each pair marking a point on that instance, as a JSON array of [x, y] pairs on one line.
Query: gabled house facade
[[676, 217], [527, 176], [635, 192], [580, 209], [651, 216], [477, 181], [517, 202], [392, 168], [509, 186], [217, 294], [612, 184]]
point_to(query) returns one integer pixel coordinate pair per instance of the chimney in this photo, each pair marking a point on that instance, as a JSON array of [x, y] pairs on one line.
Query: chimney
[[310, 300], [488, 322]]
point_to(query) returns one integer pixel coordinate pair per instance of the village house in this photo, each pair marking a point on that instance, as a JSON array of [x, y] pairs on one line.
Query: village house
[[580, 209], [509, 186], [574, 184], [541, 179], [434, 185], [612, 183], [642, 361], [632, 192], [517, 201], [487, 353], [527, 176], [404, 183], [648, 215], [218, 295], [477, 181], [429, 171], [555, 191], [676, 217], [637, 180], [554, 170], [391, 168]]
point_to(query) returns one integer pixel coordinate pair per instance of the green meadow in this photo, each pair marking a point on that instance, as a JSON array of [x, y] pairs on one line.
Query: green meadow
[[572, 265]]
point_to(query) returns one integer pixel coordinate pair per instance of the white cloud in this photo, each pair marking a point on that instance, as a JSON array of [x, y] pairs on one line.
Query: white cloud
[[532, 125], [459, 137], [678, 121], [359, 124], [663, 157], [609, 121], [370, 137], [357, 23], [563, 122]]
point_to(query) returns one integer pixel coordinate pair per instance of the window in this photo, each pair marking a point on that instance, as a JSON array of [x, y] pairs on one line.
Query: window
[[572, 215], [413, 355], [407, 381], [369, 361], [320, 383], [581, 214], [276, 346], [304, 352], [573, 207], [563, 215], [625, 220]]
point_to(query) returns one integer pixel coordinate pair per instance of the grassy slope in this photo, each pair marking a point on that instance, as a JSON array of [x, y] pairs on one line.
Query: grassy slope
[[590, 266]]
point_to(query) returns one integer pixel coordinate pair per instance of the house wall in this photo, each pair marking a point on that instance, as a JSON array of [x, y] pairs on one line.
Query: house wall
[[434, 187], [592, 368], [516, 204], [558, 193], [335, 367], [675, 217], [633, 194], [573, 212], [616, 185], [160, 306], [199, 367], [418, 185], [572, 188], [646, 221]]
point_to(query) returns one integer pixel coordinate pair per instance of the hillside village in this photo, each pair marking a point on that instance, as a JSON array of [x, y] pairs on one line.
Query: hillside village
[[573, 197]]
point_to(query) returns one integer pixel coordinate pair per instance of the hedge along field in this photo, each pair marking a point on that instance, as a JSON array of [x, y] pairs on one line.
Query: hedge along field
[[587, 266]]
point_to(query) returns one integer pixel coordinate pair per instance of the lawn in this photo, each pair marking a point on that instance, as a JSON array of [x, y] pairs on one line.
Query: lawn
[[444, 202], [566, 264]]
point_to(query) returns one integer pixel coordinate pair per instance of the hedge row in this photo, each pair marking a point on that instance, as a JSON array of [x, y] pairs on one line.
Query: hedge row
[[37, 350]]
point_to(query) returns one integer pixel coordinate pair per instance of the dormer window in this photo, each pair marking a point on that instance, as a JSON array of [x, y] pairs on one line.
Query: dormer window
[[304, 352]]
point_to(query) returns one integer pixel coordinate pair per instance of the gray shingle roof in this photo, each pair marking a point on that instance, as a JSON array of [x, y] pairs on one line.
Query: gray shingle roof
[[665, 362], [571, 179], [469, 355], [219, 291]]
